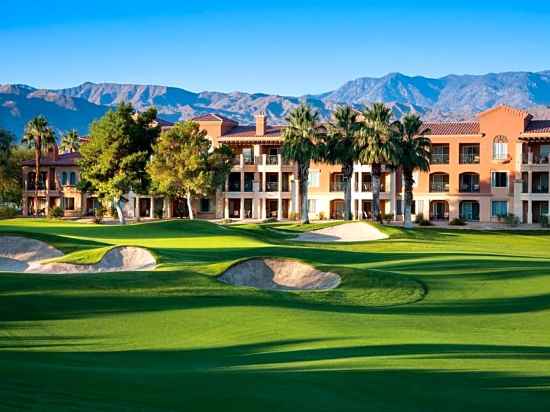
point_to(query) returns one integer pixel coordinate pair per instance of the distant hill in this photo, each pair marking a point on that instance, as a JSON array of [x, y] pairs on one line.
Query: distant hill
[[453, 97]]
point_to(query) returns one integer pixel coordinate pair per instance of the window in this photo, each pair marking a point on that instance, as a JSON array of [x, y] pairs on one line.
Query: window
[[499, 179], [500, 148], [440, 154], [312, 205], [439, 182], [313, 178], [469, 153], [336, 182], [64, 178], [469, 182], [499, 208], [205, 205], [469, 210], [248, 155], [72, 179], [68, 203]]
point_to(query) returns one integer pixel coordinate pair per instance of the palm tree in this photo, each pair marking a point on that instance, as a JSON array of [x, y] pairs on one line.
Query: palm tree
[[377, 139], [301, 144], [342, 148], [41, 137], [415, 154], [70, 142]]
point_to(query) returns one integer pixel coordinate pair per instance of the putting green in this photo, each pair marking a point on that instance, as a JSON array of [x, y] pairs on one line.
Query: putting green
[[178, 339]]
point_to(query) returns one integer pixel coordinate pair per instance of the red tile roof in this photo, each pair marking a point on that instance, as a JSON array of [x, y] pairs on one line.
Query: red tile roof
[[250, 131], [538, 126], [452, 128], [65, 159]]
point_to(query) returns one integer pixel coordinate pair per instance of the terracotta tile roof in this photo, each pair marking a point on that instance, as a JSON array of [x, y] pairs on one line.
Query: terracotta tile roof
[[452, 128], [250, 131], [210, 117], [164, 123], [65, 159], [538, 126]]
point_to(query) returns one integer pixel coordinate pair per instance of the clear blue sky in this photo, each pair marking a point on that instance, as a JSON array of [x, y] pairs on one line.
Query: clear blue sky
[[284, 47]]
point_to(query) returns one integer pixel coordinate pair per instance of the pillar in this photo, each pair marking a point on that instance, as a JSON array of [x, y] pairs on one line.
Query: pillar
[[152, 210], [241, 211], [137, 212], [263, 207], [529, 210], [226, 208]]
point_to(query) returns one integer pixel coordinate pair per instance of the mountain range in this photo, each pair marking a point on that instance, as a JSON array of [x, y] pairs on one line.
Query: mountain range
[[453, 97]]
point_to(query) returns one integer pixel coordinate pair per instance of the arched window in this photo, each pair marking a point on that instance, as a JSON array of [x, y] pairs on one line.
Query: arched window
[[439, 182], [72, 179], [500, 148], [469, 182], [64, 178]]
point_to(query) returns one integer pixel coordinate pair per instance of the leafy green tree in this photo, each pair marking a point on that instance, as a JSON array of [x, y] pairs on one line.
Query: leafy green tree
[[114, 158], [41, 137], [183, 164], [301, 144], [11, 174], [414, 154], [341, 147], [379, 148], [70, 142]]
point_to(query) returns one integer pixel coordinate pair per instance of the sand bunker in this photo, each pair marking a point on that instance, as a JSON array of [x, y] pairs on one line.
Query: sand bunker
[[279, 274], [19, 254], [346, 232]]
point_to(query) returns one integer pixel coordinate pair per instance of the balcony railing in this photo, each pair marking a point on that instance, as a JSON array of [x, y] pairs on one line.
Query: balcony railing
[[272, 159], [249, 160], [469, 158], [366, 187], [439, 187], [248, 186], [272, 186], [440, 158], [234, 187], [236, 160], [540, 188], [469, 188], [337, 186]]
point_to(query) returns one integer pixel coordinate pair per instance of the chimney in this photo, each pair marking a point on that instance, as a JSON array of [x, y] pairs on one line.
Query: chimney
[[260, 124]]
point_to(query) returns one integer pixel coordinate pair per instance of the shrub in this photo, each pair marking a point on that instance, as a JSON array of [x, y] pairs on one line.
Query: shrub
[[55, 212], [388, 217], [7, 212], [225, 221], [114, 212], [159, 213], [511, 220], [457, 222], [425, 222], [419, 218], [293, 216], [99, 213], [269, 220], [322, 216], [544, 221]]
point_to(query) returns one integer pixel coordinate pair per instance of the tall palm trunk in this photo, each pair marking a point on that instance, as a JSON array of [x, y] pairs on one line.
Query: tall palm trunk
[[376, 170], [347, 172], [189, 206], [408, 177], [37, 154], [303, 171]]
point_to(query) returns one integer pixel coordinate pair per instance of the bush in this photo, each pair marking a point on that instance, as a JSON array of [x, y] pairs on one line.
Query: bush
[[114, 212], [99, 213], [425, 222], [511, 220], [225, 221], [293, 216], [544, 221], [419, 218], [55, 212], [7, 212], [457, 222], [269, 220], [322, 216], [159, 213], [388, 217]]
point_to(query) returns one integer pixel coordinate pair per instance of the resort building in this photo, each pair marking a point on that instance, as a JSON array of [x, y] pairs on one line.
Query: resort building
[[481, 170]]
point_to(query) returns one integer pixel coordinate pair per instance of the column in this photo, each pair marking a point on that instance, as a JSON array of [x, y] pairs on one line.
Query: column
[[529, 210], [279, 208], [263, 207], [152, 211], [241, 211], [360, 180], [226, 208], [529, 182], [393, 189], [297, 194], [137, 212], [242, 181]]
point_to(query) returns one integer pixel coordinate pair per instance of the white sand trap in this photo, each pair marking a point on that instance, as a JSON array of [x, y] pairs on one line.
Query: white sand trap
[[346, 232], [19, 254], [279, 274]]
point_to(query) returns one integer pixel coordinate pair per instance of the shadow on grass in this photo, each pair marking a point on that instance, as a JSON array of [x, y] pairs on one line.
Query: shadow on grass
[[272, 376]]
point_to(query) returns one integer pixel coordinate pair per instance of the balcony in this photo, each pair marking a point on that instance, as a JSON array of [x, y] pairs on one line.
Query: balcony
[[469, 158], [271, 186], [366, 187], [440, 158], [439, 187], [469, 188], [337, 186], [272, 160]]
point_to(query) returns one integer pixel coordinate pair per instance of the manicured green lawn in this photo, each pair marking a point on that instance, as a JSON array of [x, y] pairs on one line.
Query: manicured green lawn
[[177, 339]]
